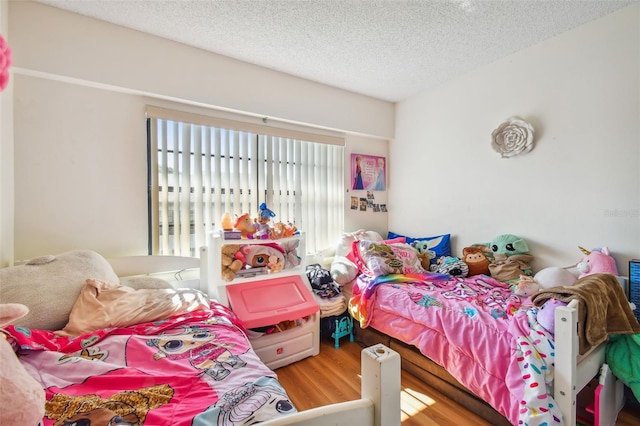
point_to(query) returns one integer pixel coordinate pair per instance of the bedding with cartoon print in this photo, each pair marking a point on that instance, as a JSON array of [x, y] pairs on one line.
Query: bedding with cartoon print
[[483, 334], [196, 368]]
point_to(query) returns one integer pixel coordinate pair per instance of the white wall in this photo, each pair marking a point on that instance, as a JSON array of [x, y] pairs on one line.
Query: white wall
[[581, 183], [81, 86]]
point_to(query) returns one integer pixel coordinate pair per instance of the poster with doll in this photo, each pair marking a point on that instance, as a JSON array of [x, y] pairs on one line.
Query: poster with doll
[[368, 172]]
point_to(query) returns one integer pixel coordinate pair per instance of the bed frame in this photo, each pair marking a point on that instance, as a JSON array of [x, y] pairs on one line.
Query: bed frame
[[383, 356], [379, 404], [572, 373]]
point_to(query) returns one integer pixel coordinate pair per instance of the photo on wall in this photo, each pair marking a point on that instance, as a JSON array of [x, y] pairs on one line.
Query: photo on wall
[[368, 172]]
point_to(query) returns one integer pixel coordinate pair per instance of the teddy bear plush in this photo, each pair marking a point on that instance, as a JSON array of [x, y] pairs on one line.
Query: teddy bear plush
[[21, 396], [230, 264]]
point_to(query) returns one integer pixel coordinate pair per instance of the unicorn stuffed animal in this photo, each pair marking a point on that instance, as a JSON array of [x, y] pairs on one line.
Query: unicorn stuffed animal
[[596, 261]]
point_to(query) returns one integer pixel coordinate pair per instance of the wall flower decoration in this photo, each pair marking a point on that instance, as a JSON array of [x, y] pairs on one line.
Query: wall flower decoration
[[513, 137]]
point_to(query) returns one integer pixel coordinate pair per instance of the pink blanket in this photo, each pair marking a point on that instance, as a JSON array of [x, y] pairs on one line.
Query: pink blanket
[[191, 369], [477, 329]]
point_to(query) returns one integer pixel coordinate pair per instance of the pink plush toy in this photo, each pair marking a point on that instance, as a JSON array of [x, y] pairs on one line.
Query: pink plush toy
[[21, 396], [597, 261], [5, 63]]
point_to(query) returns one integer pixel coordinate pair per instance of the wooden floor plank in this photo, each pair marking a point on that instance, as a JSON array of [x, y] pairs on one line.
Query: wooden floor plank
[[334, 376]]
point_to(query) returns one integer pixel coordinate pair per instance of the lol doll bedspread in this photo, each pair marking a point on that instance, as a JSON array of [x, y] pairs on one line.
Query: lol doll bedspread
[[191, 369], [476, 328]]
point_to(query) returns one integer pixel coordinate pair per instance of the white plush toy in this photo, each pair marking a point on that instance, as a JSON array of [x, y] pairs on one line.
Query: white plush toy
[[343, 271], [553, 277], [21, 396]]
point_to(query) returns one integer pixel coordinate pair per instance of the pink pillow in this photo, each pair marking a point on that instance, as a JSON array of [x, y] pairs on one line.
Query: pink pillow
[[102, 305]]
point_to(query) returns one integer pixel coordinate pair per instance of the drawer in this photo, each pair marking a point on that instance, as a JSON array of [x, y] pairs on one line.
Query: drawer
[[283, 353], [280, 349]]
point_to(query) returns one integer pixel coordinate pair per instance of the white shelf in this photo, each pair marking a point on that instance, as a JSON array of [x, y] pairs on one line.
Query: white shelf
[[211, 269]]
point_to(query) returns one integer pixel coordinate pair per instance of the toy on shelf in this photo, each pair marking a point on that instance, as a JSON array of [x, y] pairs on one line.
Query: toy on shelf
[[596, 261], [282, 230], [231, 265], [262, 222], [246, 226]]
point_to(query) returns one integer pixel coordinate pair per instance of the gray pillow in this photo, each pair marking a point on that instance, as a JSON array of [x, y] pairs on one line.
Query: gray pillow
[[50, 285]]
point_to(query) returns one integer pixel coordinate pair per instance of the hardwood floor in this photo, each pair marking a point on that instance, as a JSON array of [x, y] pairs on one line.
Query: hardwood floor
[[334, 376]]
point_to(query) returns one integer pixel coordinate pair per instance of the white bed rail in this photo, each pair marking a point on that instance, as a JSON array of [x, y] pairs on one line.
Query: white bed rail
[[574, 371], [379, 404]]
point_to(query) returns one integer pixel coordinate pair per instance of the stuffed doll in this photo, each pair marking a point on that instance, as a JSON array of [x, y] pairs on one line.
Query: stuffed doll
[[22, 398], [262, 222], [270, 256], [597, 261]]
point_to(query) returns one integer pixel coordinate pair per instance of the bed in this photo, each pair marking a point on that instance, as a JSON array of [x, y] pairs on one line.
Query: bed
[[192, 364], [482, 344]]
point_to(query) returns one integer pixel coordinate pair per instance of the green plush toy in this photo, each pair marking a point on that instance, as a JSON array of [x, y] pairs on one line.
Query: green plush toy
[[510, 257]]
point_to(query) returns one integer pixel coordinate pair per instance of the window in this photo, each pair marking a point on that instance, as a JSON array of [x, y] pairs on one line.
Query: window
[[201, 167]]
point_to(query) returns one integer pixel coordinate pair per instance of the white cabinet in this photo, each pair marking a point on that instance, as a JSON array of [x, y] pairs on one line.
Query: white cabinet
[[262, 296]]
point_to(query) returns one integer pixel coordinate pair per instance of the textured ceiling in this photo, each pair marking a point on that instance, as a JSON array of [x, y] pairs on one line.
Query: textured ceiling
[[388, 50]]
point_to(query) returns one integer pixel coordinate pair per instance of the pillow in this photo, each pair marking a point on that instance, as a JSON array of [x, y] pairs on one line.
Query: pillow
[[346, 240], [377, 258], [102, 304], [439, 244], [62, 277]]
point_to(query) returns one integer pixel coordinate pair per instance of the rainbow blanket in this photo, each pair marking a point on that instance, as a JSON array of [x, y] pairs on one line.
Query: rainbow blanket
[[482, 333]]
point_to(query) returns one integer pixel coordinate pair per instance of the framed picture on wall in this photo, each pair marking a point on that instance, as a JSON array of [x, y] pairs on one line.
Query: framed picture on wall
[[368, 172]]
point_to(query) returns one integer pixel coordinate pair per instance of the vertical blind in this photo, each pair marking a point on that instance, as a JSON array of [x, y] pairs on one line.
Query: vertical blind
[[197, 172]]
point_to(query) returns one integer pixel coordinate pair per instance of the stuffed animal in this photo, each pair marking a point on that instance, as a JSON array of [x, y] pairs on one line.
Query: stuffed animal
[[426, 256], [597, 261], [546, 315], [282, 230], [246, 226], [508, 244], [22, 398], [554, 276], [510, 257], [270, 256], [476, 260], [526, 286], [230, 263], [450, 265], [291, 258]]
